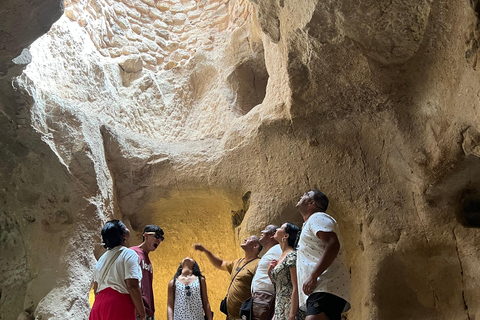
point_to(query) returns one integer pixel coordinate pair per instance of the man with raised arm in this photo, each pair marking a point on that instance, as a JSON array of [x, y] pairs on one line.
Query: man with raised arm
[[323, 278], [241, 272]]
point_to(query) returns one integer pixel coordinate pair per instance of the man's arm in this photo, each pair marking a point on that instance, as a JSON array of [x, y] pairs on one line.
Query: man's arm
[[332, 246], [214, 260]]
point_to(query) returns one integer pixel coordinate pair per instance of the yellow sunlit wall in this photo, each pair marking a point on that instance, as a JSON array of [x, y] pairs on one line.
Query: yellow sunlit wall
[[91, 297]]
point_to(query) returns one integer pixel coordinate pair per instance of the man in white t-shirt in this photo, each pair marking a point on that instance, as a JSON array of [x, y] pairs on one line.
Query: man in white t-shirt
[[263, 291], [323, 278]]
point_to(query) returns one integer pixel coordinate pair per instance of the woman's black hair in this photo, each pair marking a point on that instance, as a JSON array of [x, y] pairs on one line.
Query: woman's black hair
[[113, 234], [196, 271], [293, 233]]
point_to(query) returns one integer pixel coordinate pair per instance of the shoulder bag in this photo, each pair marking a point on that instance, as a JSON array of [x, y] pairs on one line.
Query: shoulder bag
[[223, 303]]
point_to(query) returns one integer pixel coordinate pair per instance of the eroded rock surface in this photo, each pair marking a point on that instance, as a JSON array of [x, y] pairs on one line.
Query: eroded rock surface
[[210, 118], [163, 33]]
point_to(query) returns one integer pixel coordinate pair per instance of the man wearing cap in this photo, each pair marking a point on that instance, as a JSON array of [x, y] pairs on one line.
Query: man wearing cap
[[152, 236]]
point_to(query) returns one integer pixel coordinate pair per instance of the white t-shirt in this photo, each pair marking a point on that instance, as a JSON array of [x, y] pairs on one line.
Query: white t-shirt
[[335, 279], [126, 266], [261, 281]]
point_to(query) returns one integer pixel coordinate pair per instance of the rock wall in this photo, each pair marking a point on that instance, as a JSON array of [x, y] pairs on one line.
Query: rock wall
[[163, 33], [210, 118]]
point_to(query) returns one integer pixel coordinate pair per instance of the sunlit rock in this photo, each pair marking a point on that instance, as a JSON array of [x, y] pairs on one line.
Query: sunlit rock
[[210, 119]]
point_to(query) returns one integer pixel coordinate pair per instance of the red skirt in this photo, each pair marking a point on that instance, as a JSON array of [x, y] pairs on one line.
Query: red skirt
[[112, 305]]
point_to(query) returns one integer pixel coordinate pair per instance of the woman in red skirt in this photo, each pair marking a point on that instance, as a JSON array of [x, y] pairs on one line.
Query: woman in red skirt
[[116, 277]]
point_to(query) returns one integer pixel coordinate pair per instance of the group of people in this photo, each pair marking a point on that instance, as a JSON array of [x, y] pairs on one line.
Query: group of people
[[123, 277], [301, 275]]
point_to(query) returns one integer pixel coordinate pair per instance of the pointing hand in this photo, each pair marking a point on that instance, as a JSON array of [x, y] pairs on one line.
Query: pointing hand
[[199, 247]]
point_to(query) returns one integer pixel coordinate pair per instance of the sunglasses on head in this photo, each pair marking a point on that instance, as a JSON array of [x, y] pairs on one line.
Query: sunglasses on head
[[156, 235]]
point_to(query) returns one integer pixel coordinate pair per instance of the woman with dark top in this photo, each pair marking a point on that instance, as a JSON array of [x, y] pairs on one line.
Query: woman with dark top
[[283, 274], [187, 294], [116, 278]]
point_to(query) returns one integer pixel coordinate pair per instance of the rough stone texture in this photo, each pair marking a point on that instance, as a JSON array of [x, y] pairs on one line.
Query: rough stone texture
[[23, 21], [210, 118], [110, 25]]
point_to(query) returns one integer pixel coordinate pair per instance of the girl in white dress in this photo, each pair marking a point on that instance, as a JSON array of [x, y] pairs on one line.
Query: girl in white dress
[[187, 293]]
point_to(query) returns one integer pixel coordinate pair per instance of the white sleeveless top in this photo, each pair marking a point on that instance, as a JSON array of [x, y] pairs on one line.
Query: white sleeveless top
[[188, 301]]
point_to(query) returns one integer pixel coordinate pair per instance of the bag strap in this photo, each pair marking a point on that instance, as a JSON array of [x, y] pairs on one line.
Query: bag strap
[[112, 260], [239, 271]]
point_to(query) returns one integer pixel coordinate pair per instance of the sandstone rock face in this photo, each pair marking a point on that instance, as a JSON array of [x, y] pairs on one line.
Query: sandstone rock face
[[23, 22], [210, 118], [167, 33]]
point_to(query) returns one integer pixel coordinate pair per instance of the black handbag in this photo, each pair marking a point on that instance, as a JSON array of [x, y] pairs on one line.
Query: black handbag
[[223, 305], [246, 309]]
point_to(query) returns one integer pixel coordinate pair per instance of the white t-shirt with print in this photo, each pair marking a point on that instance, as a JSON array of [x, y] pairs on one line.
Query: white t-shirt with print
[[126, 266], [335, 279], [261, 281]]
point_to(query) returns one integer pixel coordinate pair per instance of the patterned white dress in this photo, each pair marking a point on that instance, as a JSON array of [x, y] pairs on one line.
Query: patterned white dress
[[282, 279], [188, 301]]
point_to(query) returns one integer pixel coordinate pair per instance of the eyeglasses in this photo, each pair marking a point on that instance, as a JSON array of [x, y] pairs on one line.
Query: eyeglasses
[[156, 235], [189, 293]]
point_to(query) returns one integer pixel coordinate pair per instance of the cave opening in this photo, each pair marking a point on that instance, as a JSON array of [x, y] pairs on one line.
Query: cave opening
[[476, 7], [249, 82], [469, 213]]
